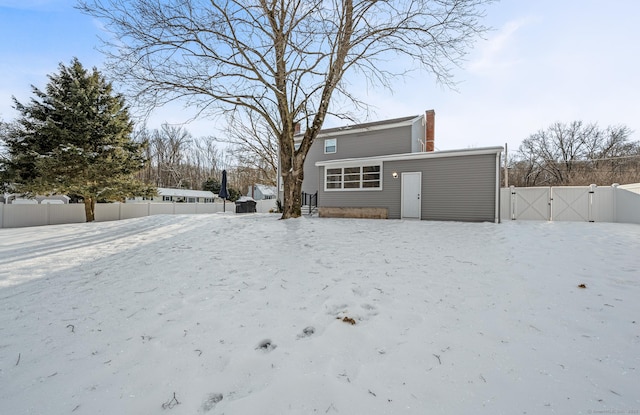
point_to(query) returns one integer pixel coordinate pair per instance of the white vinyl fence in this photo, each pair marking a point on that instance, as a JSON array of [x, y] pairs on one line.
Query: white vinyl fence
[[21, 215], [572, 203]]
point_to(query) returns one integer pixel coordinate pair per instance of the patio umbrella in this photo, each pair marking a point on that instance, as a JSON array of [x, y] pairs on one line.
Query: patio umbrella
[[224, 194]]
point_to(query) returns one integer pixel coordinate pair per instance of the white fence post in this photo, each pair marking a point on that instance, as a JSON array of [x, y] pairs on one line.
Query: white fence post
[[592, 193], [615, 201], [550, 210], [512, 203]]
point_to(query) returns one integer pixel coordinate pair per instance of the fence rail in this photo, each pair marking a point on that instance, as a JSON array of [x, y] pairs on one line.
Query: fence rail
[[22, 215], [572, 203], [566, 203]]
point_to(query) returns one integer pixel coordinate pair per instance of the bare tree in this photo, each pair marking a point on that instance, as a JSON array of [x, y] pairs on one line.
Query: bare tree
[[254, 146], [556, 149], [282, 60], [177, 159], [169, 145], [209, 160], [576, 154]]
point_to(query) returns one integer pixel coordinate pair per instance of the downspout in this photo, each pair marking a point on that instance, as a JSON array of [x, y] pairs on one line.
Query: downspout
[[497, 210]]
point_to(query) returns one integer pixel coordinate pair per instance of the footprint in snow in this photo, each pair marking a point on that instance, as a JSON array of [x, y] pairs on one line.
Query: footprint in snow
[[211, 402], [266, 345], [308, 331]]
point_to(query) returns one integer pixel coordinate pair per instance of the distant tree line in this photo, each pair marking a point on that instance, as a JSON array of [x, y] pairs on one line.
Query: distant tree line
[[179, 160], [576, 154]]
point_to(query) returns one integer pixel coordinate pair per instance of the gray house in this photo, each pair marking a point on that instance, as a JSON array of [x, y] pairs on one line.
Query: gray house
[[395, 136], [168, 195], [262, 192], [389, 169]]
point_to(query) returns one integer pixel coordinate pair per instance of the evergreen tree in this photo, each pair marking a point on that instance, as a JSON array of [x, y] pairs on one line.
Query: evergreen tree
[[212, 185], [75, 138]]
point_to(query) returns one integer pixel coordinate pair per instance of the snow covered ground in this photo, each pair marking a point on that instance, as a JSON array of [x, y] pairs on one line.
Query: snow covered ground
[[226, 314]]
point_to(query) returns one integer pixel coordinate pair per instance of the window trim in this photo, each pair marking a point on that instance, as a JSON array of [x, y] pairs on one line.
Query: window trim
[[350, 165], [335, 145]]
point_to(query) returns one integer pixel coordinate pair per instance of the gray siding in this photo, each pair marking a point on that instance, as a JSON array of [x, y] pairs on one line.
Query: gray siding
[[460, 188], [364, 144]]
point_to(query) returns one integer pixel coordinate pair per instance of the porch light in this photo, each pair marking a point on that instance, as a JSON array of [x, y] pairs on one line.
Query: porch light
[[394, 174]]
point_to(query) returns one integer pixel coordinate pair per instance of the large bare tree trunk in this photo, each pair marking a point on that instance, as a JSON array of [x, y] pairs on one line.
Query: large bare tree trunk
[[293, 174], [291, 208], [90, 208]]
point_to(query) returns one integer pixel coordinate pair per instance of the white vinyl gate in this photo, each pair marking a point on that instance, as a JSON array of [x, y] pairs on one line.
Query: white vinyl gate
[[572, 203], [532, 204]]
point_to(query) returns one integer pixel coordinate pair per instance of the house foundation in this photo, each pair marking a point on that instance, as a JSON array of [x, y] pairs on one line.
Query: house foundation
[[354, 212]]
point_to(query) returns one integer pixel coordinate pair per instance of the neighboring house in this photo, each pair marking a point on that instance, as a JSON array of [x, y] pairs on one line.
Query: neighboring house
[[262, 192], [17, 200], [389, 169], [166, 195]]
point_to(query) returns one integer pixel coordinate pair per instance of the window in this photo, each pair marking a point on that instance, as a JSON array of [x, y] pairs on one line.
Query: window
[[330, 146], [353, 178], [333, 179], [297, 145], [166, 198]]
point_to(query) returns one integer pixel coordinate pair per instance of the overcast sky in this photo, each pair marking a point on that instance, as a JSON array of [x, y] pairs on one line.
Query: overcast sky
[[545, 61]]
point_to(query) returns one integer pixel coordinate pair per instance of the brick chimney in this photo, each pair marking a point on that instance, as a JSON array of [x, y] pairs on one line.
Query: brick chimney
[[430, 130], [296, 128]]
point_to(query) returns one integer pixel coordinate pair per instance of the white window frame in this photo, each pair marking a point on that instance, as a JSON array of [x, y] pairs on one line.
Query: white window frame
[[335, 145], [342, 174]]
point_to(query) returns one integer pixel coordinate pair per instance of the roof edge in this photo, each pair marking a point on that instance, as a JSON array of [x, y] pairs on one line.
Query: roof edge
[[369, 126], [415, 156]]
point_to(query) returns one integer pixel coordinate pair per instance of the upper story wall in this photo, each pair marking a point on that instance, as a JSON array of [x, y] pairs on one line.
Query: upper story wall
[[364, 143]]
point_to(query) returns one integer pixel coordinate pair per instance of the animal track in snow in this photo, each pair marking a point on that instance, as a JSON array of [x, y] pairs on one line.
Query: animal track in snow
[[266, 345]]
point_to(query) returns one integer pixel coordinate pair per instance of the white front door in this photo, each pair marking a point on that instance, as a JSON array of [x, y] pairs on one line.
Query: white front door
[[411, 195]]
